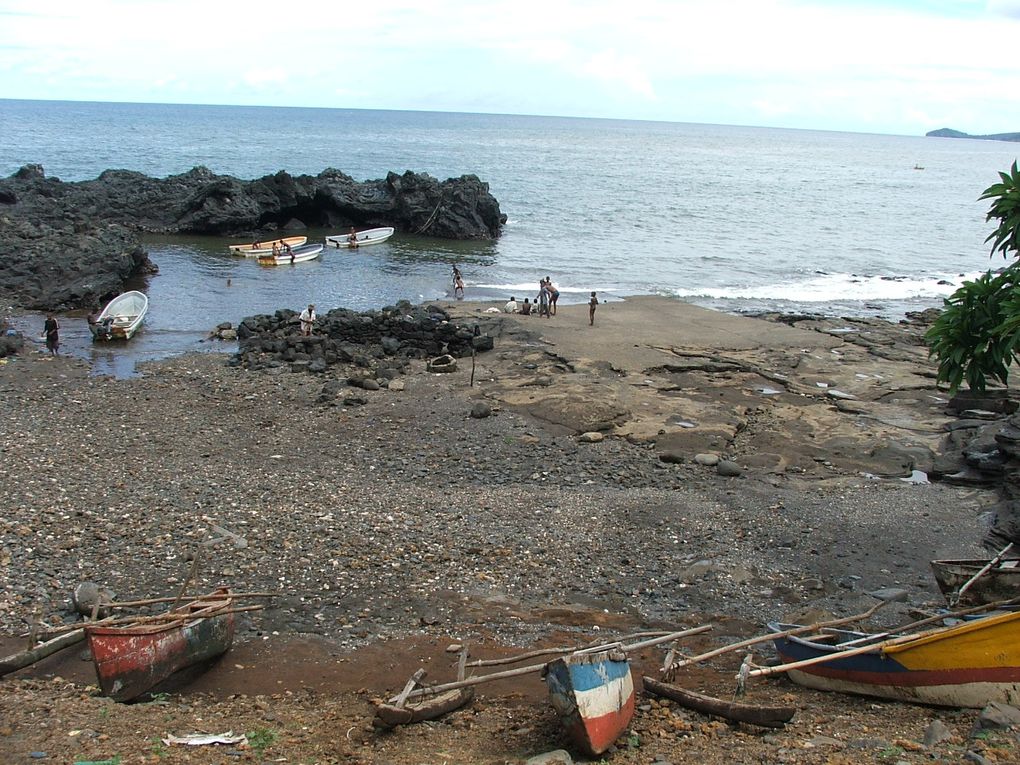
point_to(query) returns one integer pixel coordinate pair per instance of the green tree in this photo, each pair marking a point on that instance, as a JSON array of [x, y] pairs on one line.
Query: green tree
[[977, 336]]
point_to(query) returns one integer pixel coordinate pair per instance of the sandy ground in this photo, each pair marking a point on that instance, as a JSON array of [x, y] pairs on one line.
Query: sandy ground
[[397, 527]]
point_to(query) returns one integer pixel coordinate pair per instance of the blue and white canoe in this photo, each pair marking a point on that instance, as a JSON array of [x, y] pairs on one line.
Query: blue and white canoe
[[594, 696]]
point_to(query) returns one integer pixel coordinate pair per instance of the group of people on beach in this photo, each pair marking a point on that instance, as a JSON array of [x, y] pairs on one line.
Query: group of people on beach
[[545, 302]]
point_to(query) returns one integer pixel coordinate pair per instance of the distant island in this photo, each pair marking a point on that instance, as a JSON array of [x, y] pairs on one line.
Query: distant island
[[947, 133]]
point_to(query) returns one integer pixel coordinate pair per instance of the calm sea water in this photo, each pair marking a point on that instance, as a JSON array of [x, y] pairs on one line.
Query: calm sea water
[[735, 218]]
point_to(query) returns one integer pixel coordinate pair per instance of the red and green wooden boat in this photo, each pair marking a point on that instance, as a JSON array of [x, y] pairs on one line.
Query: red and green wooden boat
[[131, 660]]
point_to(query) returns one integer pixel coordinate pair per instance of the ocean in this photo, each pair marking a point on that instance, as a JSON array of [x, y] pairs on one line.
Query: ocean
[[740, 219]]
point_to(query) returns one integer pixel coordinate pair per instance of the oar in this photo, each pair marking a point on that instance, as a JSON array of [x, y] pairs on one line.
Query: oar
[[988, 567]]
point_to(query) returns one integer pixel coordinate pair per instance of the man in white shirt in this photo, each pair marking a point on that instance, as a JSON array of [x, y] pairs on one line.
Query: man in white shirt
[[511, 306], [307, 319]]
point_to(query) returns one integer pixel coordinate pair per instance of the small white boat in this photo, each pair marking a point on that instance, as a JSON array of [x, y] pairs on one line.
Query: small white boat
[[121, 318], [255, 249], [295, 255], [361, 238]]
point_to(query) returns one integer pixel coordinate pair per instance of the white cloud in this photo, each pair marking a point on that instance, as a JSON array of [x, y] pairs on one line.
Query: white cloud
[[803, 63]]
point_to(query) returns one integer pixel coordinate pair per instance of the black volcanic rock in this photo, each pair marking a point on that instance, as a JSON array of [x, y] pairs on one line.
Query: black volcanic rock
[[69, 245], [60, 265], [200, 202]]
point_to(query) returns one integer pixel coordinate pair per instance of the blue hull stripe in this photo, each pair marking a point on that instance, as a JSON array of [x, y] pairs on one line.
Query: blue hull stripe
[[585, 677]]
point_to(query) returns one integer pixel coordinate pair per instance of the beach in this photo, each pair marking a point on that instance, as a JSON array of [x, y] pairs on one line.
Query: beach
[[559, 487]]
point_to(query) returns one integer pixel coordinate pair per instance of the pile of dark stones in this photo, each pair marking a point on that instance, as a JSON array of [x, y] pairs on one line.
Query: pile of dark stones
[[383, 341]]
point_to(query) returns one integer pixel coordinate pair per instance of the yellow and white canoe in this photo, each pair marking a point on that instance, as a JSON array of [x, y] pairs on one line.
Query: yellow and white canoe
[[255, 249]]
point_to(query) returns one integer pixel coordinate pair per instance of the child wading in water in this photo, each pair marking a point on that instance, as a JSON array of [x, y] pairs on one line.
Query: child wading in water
[[591, 309]]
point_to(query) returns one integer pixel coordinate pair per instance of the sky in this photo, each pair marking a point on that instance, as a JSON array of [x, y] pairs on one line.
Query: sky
[[900, 67]]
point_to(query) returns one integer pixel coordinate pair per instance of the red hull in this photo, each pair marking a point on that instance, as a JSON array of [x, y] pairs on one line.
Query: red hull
[[132, 660]]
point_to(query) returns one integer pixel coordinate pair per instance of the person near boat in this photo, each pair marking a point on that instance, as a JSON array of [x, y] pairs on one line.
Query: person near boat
[[592, 305], [52, 330], [276, 249], [352, 238], [307, 318]]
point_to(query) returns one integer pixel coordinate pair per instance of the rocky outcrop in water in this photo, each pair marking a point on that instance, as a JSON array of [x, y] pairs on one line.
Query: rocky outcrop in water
[[69, 245], [379, 341], [201, 202], [58, 265]]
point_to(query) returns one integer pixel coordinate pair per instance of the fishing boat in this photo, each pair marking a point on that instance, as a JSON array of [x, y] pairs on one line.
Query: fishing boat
[[968, 664], [255, 249], [361, 238], [1000, 582], [294, 255], [121, 317], [594, 695], [130, 660]]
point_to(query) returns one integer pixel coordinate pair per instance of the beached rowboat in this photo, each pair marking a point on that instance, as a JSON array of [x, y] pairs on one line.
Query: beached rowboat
[[968, 664], [255, 249], [594, 696], [363, 238], [296, 255], [1000, 582], [131, 660], [121, 317]]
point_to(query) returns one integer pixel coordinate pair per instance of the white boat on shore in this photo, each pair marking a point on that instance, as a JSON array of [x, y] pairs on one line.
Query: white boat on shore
[[256, 249], [121, 317], [361, 238], [295, 255]]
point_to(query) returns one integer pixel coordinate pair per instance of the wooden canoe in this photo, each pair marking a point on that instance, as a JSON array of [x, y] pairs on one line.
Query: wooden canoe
[[969, 664], [1000, 582], [362, 238], [131, 660], [265, 247], [424, 708], [594, 696], [764, 716]]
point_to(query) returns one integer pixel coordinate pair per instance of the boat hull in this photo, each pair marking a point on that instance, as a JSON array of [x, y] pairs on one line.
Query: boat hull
[[365, 238], [121, 318], [594, 696], [967, 665], [999, 583], [300, 255], [266, 248], [130, 661]]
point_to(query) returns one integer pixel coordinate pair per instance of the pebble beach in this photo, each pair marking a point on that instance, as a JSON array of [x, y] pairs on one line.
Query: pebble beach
[[409, 515]]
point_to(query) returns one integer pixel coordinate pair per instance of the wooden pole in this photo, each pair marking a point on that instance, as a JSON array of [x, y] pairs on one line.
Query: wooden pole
[[674, 666], [988, 567], [17, 661], [531, 668]]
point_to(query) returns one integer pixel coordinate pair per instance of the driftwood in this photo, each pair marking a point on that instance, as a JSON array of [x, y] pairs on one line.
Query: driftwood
[[20, 660], [754, 714]]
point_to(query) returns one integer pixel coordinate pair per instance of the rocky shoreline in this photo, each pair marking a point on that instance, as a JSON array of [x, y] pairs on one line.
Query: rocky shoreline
[[77, 242], [548, 489]]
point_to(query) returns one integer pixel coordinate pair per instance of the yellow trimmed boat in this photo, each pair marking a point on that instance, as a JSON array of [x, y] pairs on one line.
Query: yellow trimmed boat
[[255, 249], [968, 664]]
